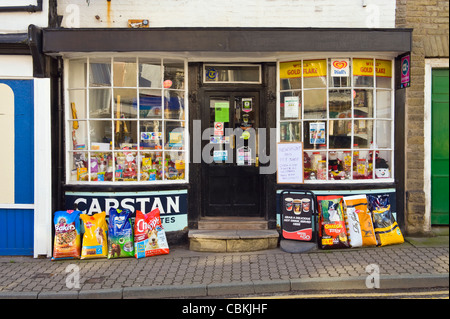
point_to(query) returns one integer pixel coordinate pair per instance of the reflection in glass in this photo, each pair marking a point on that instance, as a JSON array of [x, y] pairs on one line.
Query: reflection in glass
[[125, 103], [174, 105], [383, 130], [231, 73], [384, 104], [340, 103], [363, 133], [125, 134], [100, 133], [340, 133], [77, 74], [363, 103], [150, 74], [125, 73], [290, 131], [150, 104], [100, 73], [315, 104], [100, 103], [173, 75]]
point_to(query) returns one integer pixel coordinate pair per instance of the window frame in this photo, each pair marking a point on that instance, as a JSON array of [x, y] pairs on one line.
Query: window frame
[[327, 119], [68, 151], [205, 65]]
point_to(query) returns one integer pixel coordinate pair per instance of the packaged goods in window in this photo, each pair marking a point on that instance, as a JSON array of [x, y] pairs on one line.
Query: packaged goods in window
[[67, 242], [149, 236], [95, 240], [120, 234], [359, 221], [332, 231], [387, 230]]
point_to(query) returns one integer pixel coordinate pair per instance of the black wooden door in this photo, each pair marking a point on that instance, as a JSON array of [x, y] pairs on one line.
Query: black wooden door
[[230, 172]]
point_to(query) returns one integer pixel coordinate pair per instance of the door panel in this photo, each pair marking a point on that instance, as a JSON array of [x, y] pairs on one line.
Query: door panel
[[231, 173], [440, 147]]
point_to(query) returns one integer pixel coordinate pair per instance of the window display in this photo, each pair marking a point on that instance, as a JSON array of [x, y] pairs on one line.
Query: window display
[[126, 120], [342, 111]]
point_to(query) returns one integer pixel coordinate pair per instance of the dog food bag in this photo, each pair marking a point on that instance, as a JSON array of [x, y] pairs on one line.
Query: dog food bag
[[332, 231], [149, 236], [359, 222], [67, 243], [386, 228], [120, 234], [95, 240]]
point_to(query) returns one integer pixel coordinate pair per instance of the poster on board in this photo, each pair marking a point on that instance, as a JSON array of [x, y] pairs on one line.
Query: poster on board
[[290, 163], [297, 215]]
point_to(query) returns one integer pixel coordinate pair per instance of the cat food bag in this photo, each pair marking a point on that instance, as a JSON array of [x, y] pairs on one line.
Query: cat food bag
[[359, 221], [149, 236], [120, 234], [67, 242], [332, 230], [95, 238], [387, 230]]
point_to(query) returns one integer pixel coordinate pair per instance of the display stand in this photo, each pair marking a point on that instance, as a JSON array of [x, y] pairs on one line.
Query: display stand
[[299, 231]]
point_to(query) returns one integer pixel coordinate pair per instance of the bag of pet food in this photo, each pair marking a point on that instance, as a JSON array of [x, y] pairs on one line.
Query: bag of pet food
[[149, 236], [386, 228], [332, 231], [67, 243], [359, 222], [120, 234], [95, 238]]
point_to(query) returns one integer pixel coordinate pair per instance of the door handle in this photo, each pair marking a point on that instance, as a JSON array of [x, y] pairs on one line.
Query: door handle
[[232, 141]]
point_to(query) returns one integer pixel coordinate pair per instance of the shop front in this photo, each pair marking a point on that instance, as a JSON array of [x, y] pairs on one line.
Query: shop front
[[188, 120]]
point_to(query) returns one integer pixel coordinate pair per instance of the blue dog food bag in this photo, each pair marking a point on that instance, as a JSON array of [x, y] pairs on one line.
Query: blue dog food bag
[[120, 234]]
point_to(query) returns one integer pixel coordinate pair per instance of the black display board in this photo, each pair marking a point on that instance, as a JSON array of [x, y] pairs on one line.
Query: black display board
[[298, 215]]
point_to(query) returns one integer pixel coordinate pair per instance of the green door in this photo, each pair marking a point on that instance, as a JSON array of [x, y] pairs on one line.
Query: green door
[[439, 151]]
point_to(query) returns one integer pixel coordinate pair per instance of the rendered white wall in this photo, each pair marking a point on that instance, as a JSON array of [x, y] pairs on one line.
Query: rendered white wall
[[18, 22], [229, 13]]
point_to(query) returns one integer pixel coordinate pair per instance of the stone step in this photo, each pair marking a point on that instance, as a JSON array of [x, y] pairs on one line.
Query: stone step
[[240, 240], [232, 223]]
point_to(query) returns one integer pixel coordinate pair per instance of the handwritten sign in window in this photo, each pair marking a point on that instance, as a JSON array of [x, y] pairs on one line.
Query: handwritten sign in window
[[290, 163]]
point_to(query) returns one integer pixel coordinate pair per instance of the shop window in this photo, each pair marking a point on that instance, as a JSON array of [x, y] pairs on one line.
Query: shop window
[[231, 73], [126, 120], [342, 111]]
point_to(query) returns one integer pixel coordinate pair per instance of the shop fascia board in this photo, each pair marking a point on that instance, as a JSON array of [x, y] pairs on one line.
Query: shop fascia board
[[233, 42], [230, 57]]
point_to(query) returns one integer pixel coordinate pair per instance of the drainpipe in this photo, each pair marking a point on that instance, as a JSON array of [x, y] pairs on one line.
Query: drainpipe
[[30, 8]]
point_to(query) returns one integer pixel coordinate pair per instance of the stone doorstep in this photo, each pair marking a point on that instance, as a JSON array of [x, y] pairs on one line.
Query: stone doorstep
[[232, 240]]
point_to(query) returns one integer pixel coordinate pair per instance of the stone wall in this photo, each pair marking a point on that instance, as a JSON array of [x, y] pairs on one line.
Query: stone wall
[[430, 21]]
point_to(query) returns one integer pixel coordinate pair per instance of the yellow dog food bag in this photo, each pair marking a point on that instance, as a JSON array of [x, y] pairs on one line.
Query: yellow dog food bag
[[386, 228], [95, 239]]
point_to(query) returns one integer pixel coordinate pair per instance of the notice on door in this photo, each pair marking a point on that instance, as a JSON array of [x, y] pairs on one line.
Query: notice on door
[[290, 163]]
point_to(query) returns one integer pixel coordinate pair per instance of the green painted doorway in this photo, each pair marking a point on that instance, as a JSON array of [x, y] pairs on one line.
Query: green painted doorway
[[439, 148]]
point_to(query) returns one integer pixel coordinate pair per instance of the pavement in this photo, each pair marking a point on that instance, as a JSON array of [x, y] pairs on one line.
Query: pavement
[[421, 262]]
